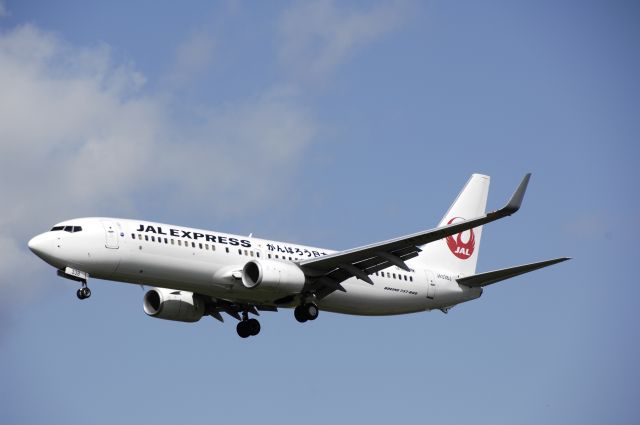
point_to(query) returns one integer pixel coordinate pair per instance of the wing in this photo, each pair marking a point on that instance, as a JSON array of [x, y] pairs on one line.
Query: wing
[[326, 273], [488, 278]]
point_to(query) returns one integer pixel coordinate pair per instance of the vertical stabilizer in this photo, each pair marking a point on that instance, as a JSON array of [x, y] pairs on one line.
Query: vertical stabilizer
[[458, 253]]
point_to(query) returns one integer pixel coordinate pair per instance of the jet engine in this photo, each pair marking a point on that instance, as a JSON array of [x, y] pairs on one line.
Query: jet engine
[[273, 275], [171, 304]]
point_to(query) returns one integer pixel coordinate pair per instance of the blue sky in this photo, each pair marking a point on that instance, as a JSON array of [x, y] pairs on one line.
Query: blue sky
[[333, 124]]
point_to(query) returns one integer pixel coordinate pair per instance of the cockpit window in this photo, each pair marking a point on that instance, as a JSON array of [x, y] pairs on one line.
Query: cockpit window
[[70, 229]]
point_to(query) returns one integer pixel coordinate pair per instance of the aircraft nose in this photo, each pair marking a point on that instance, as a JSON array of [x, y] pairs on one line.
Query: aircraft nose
[[37, 245]]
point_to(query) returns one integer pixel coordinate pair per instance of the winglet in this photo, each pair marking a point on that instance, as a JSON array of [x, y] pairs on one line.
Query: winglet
[[516, 200]]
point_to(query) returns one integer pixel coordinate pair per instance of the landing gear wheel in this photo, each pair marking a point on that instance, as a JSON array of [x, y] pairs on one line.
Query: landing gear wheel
[[311, 311], [86, 292], [299, 314], [254, 327], [83, 293], [243, 330]]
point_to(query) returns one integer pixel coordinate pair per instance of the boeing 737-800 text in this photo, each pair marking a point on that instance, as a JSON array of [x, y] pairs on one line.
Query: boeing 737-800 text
[[198, 272]]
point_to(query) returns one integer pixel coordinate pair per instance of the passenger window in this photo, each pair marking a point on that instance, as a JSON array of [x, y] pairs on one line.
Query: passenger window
[[193, 244], [139, 236], [245, 253], [179, 242], [411, 278], [258, 254], [172, 242], [213, 247], [166, 240], [240, 252], [268, 255], [226, 249], [133, 236], [153, 238], [206, 247], [146, 238], [405, 277]]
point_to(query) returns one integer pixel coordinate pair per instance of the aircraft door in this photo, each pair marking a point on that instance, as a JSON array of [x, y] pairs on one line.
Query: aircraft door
[[431, 285], [111, 234]]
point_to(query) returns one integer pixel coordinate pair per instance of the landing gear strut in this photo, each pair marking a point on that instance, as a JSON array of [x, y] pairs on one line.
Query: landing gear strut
[[84, 292], [247, 327], [304, 312]]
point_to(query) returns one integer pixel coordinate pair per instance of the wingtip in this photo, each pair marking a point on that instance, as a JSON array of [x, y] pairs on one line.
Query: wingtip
[[559, 260]]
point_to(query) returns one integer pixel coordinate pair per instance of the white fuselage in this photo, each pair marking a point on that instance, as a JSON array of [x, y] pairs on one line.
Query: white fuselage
[[210, 263]]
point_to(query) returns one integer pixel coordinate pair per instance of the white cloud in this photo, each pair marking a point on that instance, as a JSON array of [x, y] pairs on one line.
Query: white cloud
[[318, 35], [249, 149], [193, 57], [82, 135], [69, 118], [79, 135]]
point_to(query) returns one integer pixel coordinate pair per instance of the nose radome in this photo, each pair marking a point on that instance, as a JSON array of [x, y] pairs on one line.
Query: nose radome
[[37, 245]]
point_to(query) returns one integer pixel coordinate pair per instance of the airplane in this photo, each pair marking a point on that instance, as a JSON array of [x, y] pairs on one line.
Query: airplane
[[196, 273]]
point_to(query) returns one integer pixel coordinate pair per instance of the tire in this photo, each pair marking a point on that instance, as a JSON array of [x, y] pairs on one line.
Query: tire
[[243, 329], [86, 292], [80, 294], [299, 314], [253, 326], [311, 311]]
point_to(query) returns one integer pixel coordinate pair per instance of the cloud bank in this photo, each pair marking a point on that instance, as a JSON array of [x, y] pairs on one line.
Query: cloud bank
[[318, 36], [79, 135], [82, 134]]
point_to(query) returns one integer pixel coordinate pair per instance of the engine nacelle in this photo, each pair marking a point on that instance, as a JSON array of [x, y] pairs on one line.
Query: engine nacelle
[[171, 304], [273, 275]]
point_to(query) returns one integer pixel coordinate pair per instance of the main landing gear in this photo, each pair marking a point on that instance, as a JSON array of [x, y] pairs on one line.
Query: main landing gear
[[304, 312], [84, 292], [247, 327]]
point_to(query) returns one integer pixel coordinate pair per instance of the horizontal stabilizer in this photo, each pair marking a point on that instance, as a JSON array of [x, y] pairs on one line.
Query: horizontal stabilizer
[[488, 278]]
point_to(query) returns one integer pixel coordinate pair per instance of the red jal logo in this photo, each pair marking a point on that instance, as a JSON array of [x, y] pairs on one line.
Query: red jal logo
[[458, 247]]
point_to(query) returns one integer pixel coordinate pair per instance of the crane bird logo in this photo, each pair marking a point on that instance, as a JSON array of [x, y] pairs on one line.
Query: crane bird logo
[[462, 244]]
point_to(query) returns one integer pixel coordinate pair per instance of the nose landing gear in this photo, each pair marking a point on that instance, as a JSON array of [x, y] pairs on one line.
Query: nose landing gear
[[84, 292], [78, 276]]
